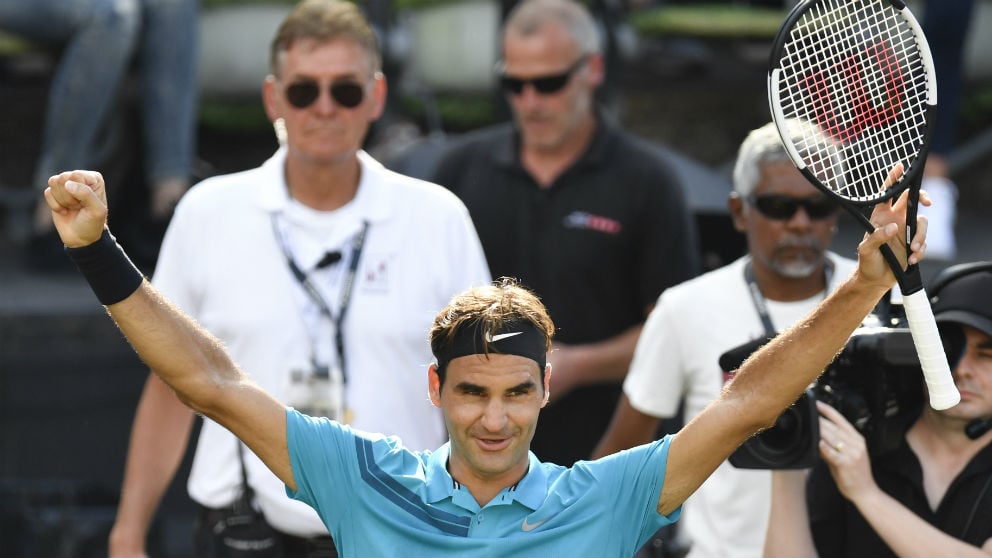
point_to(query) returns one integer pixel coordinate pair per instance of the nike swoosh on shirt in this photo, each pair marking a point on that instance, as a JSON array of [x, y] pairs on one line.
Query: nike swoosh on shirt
[[493, 338], [531, 526]]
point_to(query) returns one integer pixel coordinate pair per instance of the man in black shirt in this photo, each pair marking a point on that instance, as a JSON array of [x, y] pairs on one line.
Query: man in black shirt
[[578, 210]]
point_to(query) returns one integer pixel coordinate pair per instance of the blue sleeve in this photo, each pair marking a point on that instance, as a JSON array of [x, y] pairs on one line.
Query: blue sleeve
[[635, 477], [324, 456]]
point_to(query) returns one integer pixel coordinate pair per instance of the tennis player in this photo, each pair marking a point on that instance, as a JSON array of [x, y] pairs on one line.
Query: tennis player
[[483, 493]]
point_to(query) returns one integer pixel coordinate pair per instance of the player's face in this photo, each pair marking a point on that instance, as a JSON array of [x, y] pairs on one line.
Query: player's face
[[973, 377], [490, 407], [325, 131], [549, 121], [790, 246]]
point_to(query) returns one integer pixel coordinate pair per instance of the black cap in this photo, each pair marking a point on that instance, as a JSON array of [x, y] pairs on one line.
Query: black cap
[[965, 297]]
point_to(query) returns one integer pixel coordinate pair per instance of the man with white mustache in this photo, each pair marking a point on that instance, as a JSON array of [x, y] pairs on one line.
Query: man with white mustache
[[787, 271]]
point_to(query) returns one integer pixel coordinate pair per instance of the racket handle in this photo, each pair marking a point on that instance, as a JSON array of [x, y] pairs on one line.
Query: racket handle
[[936, 371]]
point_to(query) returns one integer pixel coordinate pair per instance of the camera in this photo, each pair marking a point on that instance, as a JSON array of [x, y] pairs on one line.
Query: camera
[[876, 382]]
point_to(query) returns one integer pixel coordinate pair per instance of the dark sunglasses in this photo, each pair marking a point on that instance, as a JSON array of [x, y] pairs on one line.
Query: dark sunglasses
[[303, 93], [544, 84], [777, 206]]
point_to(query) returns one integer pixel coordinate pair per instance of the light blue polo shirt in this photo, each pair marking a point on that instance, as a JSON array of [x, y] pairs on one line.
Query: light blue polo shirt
[[379, 499]]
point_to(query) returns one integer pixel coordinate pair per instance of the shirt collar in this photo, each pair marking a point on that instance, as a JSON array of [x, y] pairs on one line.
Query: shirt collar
[[371, 201], [530, 491], [506, 151]]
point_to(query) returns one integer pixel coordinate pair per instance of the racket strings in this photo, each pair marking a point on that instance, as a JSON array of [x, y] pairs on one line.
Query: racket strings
[[854, 69]]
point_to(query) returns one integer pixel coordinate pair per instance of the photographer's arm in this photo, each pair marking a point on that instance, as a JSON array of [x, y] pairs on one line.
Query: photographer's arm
[[772, 378], [628, 428], [907, 534], [184, 355], [589, 363], [788, 534]]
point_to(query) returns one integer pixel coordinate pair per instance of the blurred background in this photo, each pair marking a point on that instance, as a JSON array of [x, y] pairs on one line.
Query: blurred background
[[689, 75]]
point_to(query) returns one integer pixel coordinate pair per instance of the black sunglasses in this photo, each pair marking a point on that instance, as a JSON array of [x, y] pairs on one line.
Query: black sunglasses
[[303, 93], [780, 207], [544, 84]]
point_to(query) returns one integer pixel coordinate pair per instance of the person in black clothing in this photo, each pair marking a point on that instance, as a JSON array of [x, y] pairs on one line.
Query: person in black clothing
[[580, 211], [931, 496]]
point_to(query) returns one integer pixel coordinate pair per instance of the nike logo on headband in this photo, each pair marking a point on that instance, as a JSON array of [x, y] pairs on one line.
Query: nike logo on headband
[[490, 338]]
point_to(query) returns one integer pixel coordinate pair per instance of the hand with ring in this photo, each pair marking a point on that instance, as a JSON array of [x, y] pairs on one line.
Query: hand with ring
[[843, 448]]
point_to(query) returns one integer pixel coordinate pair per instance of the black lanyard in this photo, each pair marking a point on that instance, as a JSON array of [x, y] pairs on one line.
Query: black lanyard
[[759, 300], [346, 288]]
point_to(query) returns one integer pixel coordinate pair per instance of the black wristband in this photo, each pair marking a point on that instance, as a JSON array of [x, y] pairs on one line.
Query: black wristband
[[108, 270]]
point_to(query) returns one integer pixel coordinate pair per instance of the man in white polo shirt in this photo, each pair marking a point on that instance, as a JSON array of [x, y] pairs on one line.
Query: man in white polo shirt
[[320, 271], [788, 270]]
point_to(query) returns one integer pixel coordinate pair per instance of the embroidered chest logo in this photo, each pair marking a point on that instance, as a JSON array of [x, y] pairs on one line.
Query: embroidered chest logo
[[375, 272], [589, 221]]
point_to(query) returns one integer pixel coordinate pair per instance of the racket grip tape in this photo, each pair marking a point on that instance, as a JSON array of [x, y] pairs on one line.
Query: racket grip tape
[[936, 370]]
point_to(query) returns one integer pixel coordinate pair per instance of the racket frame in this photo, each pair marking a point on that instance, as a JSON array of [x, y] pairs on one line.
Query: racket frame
[[909, 279], [940, 383]]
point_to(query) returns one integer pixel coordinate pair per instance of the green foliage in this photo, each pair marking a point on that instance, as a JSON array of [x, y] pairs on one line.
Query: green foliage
[[11, 44], [975, 113], [420, 4], [709, 21], [233, 116], [227, 3], [458, 113]]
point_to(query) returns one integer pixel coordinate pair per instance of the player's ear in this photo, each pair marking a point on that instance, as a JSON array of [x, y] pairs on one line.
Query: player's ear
[[434, 385], [547, 384]]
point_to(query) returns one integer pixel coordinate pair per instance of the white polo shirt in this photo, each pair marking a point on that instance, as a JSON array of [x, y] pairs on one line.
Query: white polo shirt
[[677, 356], [222, 263]]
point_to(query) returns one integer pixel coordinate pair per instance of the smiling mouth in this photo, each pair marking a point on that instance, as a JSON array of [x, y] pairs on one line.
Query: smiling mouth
[[493, 444]]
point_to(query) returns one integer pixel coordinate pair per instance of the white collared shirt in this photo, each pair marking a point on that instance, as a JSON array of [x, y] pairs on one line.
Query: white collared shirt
[[221, 263]]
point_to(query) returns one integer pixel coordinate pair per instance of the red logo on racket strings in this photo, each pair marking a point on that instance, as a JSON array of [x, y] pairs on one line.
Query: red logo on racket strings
[[863, 111]]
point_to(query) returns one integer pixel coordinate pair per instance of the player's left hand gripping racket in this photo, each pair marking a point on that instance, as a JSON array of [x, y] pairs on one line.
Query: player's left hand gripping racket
[[856, 77]]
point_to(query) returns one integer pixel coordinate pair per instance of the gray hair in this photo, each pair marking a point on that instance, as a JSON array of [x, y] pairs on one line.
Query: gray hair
[[764, 145], [324, 21], [528, 17], [761, 146]]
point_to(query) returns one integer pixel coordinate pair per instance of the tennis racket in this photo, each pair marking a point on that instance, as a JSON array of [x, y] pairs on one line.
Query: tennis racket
[[852, 91]]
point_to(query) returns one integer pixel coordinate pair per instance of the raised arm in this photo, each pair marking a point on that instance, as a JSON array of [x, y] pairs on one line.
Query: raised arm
[[184, 355], [775, 376]]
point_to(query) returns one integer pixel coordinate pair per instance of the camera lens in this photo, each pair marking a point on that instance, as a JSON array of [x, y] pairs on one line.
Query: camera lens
[[784, 436], [789, 444]]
